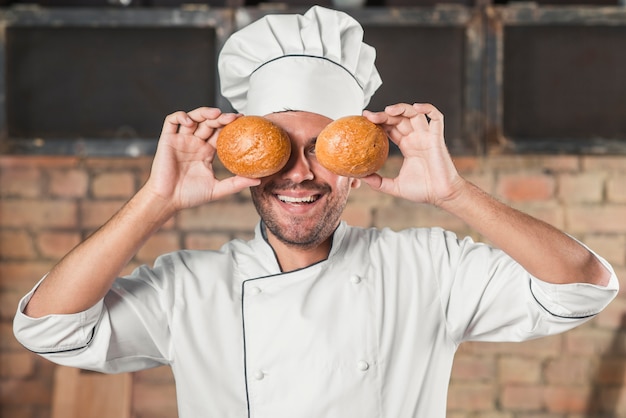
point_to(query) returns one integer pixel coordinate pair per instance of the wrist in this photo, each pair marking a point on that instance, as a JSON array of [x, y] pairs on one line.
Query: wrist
[[455, 196], [151, 208]]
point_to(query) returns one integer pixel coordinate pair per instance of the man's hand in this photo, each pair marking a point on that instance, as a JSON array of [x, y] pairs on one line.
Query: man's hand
[[182, 171], [182, 176], [427, 174]]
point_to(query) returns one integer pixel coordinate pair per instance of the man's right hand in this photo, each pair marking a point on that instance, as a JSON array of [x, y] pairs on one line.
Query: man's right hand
[[182, 172], [182, 176]]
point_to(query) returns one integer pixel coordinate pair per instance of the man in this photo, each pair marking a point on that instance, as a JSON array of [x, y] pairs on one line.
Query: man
[[312, 317]]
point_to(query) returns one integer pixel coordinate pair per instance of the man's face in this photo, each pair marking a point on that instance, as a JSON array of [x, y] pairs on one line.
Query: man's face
[[302, 204]]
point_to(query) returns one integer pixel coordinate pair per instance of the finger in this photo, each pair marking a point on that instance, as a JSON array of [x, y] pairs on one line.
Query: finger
[[435, 124], [379, 183], [375, 117], [204, 113], [199, 116], [389, 123], [232, 185], [401, 109], [174, 121], [207, 128]]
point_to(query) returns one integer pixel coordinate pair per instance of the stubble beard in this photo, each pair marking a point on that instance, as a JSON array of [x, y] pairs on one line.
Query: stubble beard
[[295, 231]]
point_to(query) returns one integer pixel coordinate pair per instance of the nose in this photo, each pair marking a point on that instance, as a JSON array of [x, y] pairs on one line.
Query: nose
[[298, 168]]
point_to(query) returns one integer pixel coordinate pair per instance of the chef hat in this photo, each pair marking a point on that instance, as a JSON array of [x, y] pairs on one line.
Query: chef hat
[[316, 62]]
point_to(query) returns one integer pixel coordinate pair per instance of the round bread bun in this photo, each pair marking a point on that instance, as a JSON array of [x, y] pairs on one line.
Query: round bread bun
[[352, 146], [252, 146]]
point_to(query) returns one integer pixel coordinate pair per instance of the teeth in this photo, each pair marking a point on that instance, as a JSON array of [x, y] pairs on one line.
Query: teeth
[[289, 199]]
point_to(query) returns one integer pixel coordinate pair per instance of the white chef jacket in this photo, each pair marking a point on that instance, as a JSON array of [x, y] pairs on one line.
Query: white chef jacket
[[369, 332]]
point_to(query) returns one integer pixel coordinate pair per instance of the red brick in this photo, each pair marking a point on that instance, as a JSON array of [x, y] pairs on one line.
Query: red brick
[[154, 400], [365, 195], [485, 181], [581, 187], [612, 247], [405, 215], [45, 161], [8, 343], [567, 370], [158, 244], [392, 166], [613, 317], [219, 216], [244, 235], [471, 397], [358, 215], [559, 163], [68, 183], [616, 188], [566, 399], [156, 375], [522, 397], [16, 245], [56, 244], [8, 303], [20, 181], [118, 163], [22, 275], [473, 368], [17, 365], [588, 340], [112, 185], [38, 213], [19, 392], [519, 370], [526, 187], [205, 241], [549, 212], [612, 371], [466, 165], [95, 213], [605, 162], [596, 219], [620, 272]]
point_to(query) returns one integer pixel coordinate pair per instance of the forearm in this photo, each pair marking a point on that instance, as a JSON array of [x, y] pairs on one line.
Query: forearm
[[541, 249], [85, 274]]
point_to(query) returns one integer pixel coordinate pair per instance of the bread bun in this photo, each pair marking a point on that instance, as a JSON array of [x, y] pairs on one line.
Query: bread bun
[[252, 146], [352, 146]]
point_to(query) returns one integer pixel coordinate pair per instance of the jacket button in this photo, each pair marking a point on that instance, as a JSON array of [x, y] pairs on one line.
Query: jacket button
[[355, 279], [363, 365], [259, 375], [255, 290]]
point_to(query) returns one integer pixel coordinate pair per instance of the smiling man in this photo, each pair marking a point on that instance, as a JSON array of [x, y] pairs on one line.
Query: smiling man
[[312, 317]]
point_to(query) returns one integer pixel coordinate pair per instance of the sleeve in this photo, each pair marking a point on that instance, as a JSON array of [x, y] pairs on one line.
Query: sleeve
[[128, 330], [487, 296]]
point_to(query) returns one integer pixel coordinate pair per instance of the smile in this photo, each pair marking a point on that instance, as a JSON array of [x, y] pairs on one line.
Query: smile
[[298, 200]]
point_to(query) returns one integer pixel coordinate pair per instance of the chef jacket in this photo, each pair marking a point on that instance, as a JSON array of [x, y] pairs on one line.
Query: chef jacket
[[369, 332]]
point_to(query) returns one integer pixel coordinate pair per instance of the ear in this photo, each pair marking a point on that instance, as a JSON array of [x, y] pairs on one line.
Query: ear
[[355, 183]]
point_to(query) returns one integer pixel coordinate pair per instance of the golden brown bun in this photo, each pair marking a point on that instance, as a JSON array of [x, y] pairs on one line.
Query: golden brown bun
[[252, 146], [352, 146]]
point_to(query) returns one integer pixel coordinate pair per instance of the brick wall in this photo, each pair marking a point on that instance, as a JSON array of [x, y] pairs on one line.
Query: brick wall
[[49, 204]]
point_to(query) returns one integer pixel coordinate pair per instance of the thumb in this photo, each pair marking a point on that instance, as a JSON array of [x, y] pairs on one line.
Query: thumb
[[232, 185], [378, 183]]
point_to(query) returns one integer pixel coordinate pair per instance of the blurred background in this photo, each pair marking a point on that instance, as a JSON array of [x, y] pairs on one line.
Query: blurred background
[[534, 95]]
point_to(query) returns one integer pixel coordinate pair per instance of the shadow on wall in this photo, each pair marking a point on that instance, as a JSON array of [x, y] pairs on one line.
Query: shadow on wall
[[609, 379]]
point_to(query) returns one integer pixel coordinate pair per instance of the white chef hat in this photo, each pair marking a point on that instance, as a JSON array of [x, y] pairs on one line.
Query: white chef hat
[[316, 62]]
